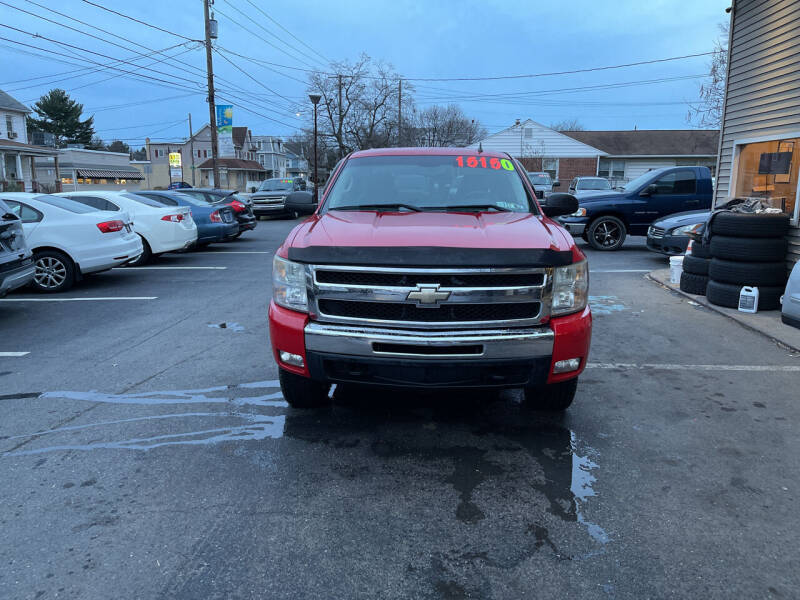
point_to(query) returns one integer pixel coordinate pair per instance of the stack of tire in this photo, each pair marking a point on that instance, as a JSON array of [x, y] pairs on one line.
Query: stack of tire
[[694, 278], [747, 250]]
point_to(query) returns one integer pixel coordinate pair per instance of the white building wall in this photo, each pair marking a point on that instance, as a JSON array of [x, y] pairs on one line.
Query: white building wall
[[540, 141], [18, 124], [639, 166]]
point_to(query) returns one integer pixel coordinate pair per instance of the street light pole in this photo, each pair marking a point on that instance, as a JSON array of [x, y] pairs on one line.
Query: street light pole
[[315, 100]]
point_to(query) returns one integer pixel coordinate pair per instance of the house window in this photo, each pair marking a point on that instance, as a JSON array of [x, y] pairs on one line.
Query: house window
[[10, 126], [550, 165], [205, 153], [768, 170], [528, 133], [612, 169]]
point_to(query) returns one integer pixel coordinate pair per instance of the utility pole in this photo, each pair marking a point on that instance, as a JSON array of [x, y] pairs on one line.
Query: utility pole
[[212, 117], [191, 145], [341, 118], [399, 113]]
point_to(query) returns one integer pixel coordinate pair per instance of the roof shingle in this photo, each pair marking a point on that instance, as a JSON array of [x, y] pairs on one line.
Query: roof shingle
[[651, 142]]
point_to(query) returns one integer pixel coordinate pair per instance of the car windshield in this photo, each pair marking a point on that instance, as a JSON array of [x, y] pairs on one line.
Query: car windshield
[[276, 185], [429, 182], [537, 179], [143, 200], [189, 199], [594, 184], [635, 184], [66, 204]]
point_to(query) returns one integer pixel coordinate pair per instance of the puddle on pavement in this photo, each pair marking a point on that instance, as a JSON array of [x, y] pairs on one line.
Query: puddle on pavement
[[232, 325], [483, 438], [605, 305]]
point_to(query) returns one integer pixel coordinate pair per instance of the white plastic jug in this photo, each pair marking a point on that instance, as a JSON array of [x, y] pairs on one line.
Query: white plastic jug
[[748, 299], [675, 268]]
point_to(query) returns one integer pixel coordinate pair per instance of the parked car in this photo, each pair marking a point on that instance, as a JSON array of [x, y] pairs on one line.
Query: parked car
[[587, 186], [269, 199], [430, 268], [241, 205], [16, 259], [70, 239], [214, 223], [542, 183], [162, 228], [604, 220], [670, 235], [178, 185]]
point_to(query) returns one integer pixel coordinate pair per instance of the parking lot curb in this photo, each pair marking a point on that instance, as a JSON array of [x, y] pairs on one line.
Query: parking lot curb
[[758, 323]]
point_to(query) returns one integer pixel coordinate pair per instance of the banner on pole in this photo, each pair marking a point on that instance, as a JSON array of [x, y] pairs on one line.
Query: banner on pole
[[225, 130]]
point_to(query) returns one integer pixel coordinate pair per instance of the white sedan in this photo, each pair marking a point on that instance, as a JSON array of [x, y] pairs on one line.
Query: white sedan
[[162, 228], [70, 239]]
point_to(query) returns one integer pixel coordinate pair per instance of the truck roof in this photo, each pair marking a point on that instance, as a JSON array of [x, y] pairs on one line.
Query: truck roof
[[427, 152]]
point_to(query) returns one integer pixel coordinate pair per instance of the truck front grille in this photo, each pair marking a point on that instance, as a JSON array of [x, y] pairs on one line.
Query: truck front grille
[[417, 298]]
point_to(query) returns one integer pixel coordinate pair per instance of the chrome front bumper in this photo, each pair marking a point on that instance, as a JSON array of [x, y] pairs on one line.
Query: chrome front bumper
[[464, 345]]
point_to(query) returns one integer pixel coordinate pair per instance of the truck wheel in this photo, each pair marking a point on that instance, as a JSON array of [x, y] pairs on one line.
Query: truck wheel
[[607, 233], [302, 392], [553, 397]]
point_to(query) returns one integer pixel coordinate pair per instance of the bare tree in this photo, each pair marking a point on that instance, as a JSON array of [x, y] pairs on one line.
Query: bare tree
[[567, 125], [708, 112], [444, 126]]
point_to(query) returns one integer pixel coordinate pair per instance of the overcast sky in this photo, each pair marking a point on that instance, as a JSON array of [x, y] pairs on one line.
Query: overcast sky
[[440, 39]]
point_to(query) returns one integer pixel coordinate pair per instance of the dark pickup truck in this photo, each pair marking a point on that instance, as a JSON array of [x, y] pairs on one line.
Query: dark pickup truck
[[605, 219]]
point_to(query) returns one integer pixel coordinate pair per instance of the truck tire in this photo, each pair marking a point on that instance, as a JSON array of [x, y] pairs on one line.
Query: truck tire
[[302, 392], [700, 251], [746, 273], [694, 284], [727, 294], [694, 265], [767, 225], [606, 233], [747, 249], [552, 397]]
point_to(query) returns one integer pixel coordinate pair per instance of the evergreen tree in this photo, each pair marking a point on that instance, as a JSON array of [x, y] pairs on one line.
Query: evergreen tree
[[58, 114]]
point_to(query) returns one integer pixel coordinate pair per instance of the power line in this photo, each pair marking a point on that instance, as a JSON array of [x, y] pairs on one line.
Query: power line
[[169, 123], [238, 68], [260, 63], [259, 9], [140, 22]]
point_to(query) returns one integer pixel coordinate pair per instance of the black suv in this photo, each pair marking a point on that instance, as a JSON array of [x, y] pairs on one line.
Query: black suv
[[16, 259]]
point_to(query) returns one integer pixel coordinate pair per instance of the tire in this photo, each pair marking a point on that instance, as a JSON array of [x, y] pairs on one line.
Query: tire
[[768, 225], [749, 249], [606, 233], [144, 258], [694, 265], [694, 284], [236, 237], [727, 294], [552, 397], [302, 392], [55, 272], [700, 251], [744, 273]]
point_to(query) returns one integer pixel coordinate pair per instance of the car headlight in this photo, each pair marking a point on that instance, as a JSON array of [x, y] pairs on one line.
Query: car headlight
[[570, 288], [581, 212], [687, 229], [289, 284]]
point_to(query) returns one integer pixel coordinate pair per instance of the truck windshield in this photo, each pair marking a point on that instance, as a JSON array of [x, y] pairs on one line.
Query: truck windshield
[[429, 183], [594, 184], [635, 184], [277, 185], [539, 179]]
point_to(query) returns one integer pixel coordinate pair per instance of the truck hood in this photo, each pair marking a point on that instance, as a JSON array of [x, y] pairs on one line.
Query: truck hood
[[599, 197], [452, 230]]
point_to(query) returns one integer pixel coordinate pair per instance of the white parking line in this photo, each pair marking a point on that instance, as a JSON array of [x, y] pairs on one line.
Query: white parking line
[[235, 252], [13, 354], [76, 299], [677, 367], [174, 268], [620, 270]]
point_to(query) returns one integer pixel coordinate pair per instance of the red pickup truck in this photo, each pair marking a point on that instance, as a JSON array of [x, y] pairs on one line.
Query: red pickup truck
[[430, 268]]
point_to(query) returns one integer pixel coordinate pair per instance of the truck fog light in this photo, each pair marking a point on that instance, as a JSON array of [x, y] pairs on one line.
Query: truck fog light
[[565, 366], [291, 359]]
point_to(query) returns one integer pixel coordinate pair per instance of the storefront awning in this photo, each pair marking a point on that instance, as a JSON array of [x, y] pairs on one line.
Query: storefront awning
[[109, 174]]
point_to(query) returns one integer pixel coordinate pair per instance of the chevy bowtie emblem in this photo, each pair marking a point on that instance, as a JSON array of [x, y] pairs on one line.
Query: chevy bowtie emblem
[[428, 295]]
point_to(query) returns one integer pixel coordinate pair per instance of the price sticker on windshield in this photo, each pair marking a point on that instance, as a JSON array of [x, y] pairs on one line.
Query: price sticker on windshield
[[474, 162]]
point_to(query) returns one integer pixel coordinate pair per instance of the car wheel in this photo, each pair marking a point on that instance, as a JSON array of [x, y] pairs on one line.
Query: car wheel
[[607, 233], [745, 273], [727, 294], [302, 392], [144, 257], [55, 272], [767, 225], [747, 249], [552, 397], [694, 265], [694, 284]]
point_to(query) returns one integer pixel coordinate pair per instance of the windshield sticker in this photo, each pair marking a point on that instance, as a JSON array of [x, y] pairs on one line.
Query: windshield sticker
[[473, 162]]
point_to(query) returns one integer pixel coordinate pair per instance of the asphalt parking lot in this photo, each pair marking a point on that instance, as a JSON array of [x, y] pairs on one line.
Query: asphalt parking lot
[[146, 452]]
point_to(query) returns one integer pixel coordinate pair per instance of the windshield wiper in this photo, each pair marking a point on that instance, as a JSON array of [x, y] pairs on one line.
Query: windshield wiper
[[378, 207], [476, 207]]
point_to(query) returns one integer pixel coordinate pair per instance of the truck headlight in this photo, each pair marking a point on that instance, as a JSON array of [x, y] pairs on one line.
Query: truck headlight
[[581, 212], [570, 288], [289, 284]]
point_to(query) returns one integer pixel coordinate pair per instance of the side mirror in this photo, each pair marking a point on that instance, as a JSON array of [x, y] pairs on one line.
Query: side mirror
[[560, 204], [301, 202], [649, 190], [556, 184]]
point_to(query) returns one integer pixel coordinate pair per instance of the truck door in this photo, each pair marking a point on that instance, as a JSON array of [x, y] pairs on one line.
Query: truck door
[[675, 191]]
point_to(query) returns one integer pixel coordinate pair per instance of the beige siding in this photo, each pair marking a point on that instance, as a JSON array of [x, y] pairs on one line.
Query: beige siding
[[763, 90]]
